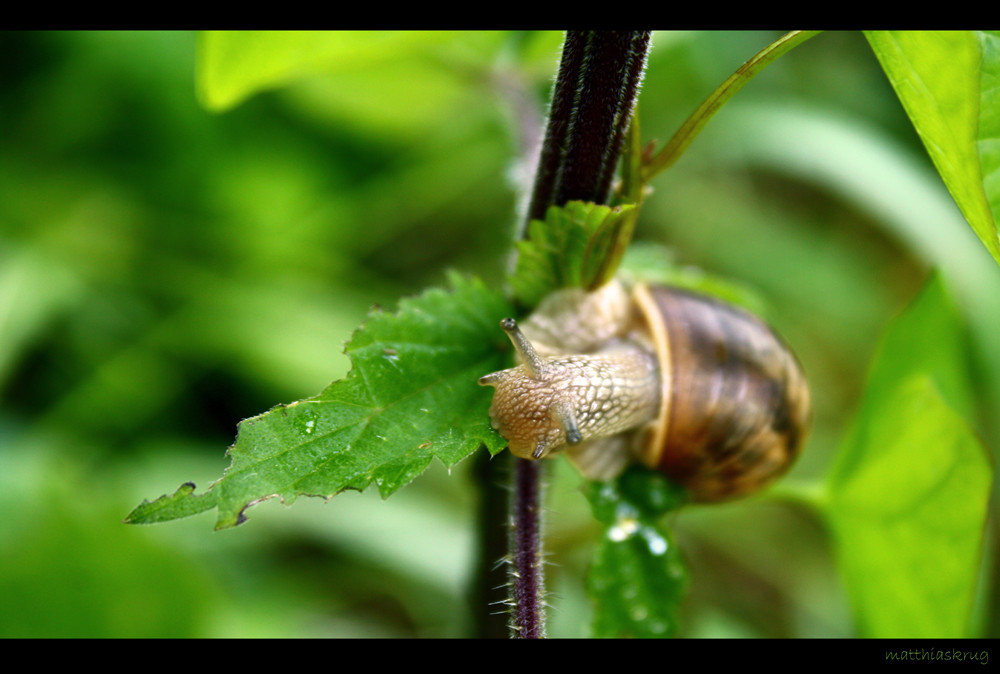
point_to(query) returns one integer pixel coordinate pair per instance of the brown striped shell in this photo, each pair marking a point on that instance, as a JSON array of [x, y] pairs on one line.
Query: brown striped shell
[[692, 386], [736, 410]]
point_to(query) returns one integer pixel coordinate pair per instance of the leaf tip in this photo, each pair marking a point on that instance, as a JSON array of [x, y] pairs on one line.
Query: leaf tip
[[182, 503]]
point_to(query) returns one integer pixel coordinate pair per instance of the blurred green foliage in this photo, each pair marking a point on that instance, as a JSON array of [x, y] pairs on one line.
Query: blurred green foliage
[[166, 271], [909, 528]]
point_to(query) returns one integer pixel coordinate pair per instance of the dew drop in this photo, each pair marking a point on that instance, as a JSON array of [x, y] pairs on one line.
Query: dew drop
[[623, 529], [657, 543]]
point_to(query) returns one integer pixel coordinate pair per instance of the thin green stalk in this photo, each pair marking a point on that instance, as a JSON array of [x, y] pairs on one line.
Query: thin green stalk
[[672, 151]]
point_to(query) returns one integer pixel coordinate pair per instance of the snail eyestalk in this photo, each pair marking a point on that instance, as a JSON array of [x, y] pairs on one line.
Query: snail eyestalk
[[563, 412], [534, 363]]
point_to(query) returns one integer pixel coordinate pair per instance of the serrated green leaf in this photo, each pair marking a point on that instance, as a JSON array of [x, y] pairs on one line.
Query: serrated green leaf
[[949, 84], [412, 395], [182, 503], [578, 245], [637, 576], [908, 493]]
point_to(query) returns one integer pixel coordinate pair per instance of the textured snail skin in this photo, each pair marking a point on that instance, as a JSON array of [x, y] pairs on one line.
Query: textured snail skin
[[607, 393], [696, 388]]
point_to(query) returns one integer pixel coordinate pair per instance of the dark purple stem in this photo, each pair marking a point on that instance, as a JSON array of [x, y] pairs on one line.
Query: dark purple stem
[[527, 583], [592, 104]]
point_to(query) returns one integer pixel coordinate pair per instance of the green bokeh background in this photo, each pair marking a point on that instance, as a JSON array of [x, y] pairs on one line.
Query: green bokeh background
[[166, 272]]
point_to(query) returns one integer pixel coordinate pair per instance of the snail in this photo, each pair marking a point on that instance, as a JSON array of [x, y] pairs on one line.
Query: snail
[[686, 384]]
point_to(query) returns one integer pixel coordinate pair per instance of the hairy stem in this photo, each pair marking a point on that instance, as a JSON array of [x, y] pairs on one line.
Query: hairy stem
[[527, 578], [592, 105]]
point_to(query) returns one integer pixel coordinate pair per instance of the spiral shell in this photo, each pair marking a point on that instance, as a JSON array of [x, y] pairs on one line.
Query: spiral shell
[[735, 408]]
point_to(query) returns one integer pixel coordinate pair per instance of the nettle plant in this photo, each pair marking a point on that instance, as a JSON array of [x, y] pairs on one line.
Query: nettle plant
[[604, 352]]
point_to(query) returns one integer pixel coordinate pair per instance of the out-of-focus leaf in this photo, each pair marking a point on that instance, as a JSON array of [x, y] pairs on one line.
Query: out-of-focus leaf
[[578, 245], [383, 82], [69, 570], [909, 491], [32, 291], [654, 263], [637, 577], [233, 65], [412, 395], [927, 338], [949, 84]]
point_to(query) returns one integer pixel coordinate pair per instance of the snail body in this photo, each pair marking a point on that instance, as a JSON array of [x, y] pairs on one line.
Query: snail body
[[696, 388]]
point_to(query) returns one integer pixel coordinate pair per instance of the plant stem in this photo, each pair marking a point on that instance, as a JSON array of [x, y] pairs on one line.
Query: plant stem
[[527, 582], [675, 147], [592, 105]]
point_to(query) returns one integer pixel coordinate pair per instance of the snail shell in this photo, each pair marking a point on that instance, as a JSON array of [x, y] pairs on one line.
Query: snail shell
[[686, 384]]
